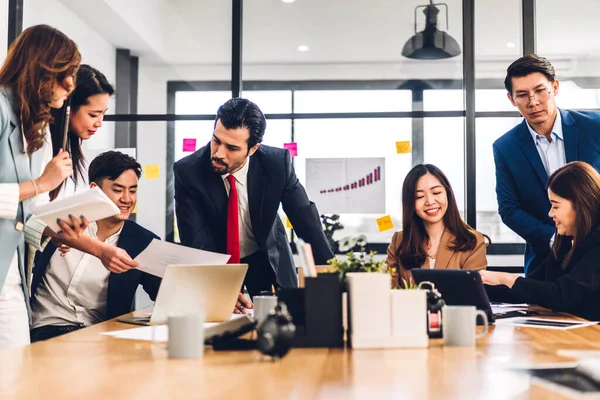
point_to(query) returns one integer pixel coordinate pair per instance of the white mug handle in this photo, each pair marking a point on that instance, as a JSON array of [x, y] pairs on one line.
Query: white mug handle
[[485, 323], [156, 342]]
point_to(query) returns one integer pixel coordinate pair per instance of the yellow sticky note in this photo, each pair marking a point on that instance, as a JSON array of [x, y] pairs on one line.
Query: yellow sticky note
[[152, 171], [385, 223], [134, 209], [288, 224], [403, 147]]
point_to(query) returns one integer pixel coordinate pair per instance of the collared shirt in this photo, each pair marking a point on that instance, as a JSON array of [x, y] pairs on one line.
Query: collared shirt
[[552, 153], [247, 241], [74, 288]]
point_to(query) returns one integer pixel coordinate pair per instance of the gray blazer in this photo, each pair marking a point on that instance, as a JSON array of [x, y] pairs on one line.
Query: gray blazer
[[15, 167]]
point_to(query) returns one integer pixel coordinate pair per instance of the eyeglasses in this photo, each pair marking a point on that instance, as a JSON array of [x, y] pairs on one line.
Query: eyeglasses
[[541, 95]]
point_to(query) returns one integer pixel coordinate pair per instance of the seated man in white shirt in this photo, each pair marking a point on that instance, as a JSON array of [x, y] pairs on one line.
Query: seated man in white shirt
[[71, 289]]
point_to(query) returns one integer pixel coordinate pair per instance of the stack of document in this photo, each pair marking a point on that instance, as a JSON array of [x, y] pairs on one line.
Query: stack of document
[[93, 204]]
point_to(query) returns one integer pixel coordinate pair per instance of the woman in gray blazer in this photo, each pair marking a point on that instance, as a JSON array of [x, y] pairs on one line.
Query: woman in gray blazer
[[38, 74]]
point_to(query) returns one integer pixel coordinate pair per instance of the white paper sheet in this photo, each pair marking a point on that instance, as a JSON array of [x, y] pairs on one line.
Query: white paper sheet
[[530, 365], [155, 258], [347, 185], [306, 258], [510, 305], [579, 353], [160, 334], [92, 204], [560, 324], [500, 310]]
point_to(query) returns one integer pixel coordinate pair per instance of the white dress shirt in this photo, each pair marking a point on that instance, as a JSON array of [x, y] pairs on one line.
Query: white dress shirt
[[248, 244], [74, 288], [14, 321], [552, 153]]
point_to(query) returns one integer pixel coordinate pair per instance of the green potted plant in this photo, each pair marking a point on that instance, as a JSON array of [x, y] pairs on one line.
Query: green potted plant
[[357, 262]]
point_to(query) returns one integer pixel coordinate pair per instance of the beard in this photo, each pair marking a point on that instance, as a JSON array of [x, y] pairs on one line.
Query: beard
[[221, 171]]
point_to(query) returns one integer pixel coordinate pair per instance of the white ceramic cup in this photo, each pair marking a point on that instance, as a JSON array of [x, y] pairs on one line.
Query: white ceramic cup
[[185, 336], [262, 306], [459, 324]]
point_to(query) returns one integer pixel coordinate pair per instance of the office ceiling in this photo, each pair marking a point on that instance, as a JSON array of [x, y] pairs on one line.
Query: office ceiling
[[180, 32]]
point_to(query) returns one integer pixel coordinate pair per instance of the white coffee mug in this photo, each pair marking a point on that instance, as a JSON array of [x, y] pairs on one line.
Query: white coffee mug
[[459, 324], [262, 306], [185, 336]]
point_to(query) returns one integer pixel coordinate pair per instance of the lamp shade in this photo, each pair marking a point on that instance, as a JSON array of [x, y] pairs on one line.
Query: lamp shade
[[431, 43]]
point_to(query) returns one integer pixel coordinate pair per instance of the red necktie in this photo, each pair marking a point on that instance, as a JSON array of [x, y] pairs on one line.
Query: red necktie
[[233, 225]]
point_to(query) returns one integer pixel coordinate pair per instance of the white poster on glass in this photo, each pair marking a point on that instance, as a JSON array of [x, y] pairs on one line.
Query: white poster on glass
[[346, 185]]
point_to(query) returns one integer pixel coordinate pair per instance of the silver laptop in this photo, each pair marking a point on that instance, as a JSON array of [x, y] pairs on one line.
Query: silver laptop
[[209, 290]]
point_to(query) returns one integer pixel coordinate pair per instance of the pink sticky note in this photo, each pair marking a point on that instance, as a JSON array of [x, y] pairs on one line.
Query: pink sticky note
[[292, 147], [189, 145]]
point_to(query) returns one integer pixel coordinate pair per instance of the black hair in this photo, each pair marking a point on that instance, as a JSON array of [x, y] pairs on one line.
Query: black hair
[[526, 65], [89, 82], [411, 252], [579, 183], [110, 165], [242, 113]]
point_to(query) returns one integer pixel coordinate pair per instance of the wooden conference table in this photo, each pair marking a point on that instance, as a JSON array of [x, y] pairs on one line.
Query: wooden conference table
[[87, 365]]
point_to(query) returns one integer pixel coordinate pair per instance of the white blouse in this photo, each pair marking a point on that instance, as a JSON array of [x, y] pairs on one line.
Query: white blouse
[[14, 320]]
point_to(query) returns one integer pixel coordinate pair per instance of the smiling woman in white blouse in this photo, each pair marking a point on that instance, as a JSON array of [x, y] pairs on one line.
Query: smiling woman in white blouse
[[38, 74]]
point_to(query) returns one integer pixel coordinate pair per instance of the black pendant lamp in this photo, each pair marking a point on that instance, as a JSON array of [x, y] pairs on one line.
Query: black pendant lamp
[[431, 43]]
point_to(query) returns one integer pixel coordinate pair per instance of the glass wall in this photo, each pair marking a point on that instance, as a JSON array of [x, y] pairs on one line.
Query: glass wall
[[332, 79]]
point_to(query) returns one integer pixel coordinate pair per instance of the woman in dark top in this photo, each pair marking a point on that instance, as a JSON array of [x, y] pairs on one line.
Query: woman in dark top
[[572, 270]]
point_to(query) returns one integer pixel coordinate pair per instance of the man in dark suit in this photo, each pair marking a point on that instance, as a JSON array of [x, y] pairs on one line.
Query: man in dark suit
[[528, 154], [227, 195], [71, 289]]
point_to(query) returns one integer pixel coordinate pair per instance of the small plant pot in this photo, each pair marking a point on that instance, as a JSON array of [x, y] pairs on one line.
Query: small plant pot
[[385, 318], [369, 307], [409, 317]]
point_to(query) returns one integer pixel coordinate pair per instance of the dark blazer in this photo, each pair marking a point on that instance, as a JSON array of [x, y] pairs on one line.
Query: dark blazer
[[201, 208], [575, 289], [521, 179], [121, 287]]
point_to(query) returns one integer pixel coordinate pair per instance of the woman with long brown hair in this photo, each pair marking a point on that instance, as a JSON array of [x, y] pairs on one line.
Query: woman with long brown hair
[[38, 74], [433, 234], [572, 270]]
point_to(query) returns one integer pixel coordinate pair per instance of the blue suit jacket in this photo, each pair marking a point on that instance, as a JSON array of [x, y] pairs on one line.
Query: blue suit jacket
[[201, 207], [121, 287], [521, 179]]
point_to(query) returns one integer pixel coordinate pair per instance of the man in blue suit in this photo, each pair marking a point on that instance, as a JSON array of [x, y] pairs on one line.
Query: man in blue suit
[[528, 154]]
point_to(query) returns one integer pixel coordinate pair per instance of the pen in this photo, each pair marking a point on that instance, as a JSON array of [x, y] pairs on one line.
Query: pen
[[66, 128], [66, 132]]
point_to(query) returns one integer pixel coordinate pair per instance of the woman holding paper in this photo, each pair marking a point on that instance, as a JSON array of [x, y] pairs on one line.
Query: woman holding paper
[[38, 74], [572, 270], [88, 103], [433, 234]]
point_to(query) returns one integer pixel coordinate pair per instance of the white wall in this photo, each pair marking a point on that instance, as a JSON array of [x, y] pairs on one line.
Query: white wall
[[3, 27], [94, 49]]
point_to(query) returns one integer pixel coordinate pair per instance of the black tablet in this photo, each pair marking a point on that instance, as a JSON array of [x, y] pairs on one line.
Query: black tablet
[[457, 287]]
